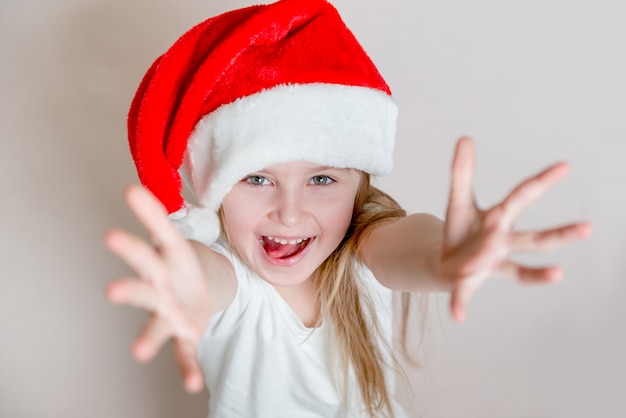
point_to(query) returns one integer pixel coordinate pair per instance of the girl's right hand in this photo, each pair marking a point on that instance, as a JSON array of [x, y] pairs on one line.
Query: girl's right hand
[[170, 284]]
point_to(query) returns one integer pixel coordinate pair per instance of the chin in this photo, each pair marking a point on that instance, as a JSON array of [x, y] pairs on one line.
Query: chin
[[292, 276]]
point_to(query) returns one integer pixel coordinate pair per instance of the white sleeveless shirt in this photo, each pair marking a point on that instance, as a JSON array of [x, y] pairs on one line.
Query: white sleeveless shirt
[[259, 360]]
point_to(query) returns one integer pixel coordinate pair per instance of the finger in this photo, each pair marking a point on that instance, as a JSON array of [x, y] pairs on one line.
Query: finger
[[461, 295], [134, 293], [152, 214], [462, 178], [527, 192], [151, 339], [461, 206], [552, 238], [457, 307], [530, 275], [137, 253], [188, 365]]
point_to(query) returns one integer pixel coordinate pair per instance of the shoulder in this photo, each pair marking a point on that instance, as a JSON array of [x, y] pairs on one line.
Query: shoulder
[[219, 273], [373, 289]]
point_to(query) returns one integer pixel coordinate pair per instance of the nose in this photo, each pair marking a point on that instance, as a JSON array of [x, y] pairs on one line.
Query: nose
[[290, 207]]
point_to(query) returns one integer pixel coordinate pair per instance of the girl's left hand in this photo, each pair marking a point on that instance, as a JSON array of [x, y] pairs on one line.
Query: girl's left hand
[[478, 243]]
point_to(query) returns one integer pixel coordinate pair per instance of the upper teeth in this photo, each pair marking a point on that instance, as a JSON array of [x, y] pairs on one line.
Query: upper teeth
[[284, 241]]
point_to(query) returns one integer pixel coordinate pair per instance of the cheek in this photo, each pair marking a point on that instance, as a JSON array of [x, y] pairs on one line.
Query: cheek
[[346, 214], [238, 216], [338, 217]]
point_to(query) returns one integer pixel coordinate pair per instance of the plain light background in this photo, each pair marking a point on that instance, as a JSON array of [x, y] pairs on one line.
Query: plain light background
[[533, 81]]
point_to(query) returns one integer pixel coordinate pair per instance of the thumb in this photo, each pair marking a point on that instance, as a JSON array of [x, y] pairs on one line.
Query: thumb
[[188, 365], [461, 294]]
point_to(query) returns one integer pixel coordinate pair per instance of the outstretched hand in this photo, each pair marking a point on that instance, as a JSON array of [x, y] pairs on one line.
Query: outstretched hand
[[169, 284], [478, 243]]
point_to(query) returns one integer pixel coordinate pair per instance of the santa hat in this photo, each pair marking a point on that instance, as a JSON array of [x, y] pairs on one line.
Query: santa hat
[[251, 88]]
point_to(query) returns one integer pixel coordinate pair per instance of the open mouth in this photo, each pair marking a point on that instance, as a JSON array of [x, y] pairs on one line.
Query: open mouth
[[282, 248]]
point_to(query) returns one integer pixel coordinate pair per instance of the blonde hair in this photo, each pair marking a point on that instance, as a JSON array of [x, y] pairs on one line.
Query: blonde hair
[[346, 308]]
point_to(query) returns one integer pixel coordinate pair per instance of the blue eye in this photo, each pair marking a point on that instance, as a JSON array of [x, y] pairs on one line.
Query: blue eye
[[321, 180], [257, 181]]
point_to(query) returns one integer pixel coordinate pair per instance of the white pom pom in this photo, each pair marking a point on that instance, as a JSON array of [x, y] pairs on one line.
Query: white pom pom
[[197, 223]]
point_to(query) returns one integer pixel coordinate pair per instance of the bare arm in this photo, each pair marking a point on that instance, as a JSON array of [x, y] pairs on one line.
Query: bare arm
[[182, 284], [403, 255], [421, 253]]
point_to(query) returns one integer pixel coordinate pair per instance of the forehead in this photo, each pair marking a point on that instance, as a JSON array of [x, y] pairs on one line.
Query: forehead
[[304, 167]]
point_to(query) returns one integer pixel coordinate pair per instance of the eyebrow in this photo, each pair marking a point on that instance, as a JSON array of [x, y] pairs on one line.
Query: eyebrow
[[328, 167]]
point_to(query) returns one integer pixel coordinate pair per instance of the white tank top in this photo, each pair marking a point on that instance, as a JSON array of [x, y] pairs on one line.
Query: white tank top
[[259, 360]]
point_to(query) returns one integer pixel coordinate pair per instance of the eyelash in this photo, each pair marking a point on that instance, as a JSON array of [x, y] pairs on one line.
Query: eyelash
[[259, 181], [251, 180], [327, 180]]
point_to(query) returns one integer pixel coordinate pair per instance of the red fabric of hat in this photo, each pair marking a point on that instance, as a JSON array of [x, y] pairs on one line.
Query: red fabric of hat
[[229, 57]]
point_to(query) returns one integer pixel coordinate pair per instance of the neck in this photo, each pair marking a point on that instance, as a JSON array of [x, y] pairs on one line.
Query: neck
[[303, 301]]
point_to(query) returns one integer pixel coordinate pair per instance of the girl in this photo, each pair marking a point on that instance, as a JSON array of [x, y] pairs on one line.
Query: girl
[[275, 284]]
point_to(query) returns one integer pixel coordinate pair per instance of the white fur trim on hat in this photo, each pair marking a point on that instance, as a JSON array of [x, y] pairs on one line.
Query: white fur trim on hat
[[328, 124]]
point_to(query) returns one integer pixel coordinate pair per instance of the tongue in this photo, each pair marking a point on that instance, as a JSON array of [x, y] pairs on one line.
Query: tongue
[[276, 250]]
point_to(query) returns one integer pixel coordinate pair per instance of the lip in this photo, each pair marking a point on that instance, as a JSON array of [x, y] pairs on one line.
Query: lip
[[287, 262]]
